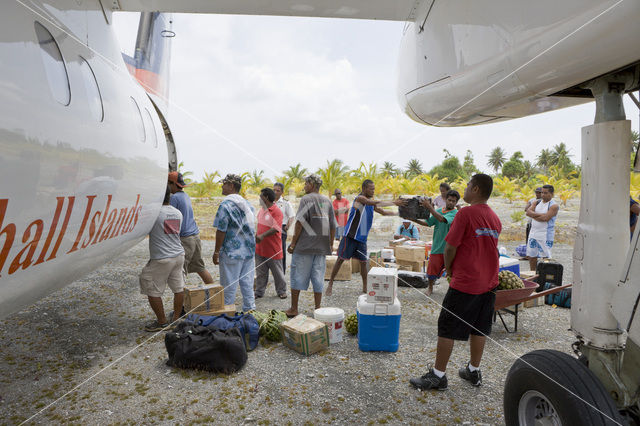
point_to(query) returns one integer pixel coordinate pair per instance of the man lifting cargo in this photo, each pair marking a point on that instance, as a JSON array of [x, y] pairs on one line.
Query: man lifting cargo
[[441, 220], [354, 242]]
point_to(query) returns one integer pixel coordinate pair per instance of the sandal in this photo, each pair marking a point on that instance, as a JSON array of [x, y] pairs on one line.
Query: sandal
[[155, 326], [282, 296]]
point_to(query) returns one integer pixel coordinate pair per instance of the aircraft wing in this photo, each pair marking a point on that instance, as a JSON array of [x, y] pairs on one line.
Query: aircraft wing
[[390, 10]]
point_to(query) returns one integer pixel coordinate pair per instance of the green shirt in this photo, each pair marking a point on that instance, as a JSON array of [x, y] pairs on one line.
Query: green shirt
[[440, 229]]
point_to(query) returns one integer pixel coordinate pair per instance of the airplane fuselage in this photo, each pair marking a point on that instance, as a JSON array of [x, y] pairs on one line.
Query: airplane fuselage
[[83, 155]]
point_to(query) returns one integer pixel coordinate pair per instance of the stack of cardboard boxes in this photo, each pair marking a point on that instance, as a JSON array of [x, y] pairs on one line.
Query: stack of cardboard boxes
[[206, 299], [413, 257]]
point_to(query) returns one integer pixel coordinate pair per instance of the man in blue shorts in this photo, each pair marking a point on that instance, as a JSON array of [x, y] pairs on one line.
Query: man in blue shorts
[[354, 242], [312, 240]]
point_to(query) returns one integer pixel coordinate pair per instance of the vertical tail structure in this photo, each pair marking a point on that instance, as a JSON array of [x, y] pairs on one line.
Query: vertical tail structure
[[150, 64]]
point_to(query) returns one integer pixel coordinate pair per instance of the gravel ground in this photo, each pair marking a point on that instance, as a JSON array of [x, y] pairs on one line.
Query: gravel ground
[[84, 348]]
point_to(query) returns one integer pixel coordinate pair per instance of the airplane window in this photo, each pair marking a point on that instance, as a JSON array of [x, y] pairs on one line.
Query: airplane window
[[152, 128], [92, 90], [53, 65], [138, 120]]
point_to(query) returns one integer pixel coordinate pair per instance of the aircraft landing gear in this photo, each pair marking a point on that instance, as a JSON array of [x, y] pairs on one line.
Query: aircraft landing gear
[[547, 387]]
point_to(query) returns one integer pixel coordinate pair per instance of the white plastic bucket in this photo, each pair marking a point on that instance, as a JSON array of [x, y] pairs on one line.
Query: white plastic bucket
[[334, 318]]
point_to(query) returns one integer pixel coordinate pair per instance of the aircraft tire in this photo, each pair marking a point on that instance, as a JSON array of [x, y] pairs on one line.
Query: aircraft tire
[[551, 387]]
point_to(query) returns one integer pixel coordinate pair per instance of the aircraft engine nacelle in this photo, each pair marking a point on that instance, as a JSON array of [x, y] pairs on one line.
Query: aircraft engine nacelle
[[464, 63]]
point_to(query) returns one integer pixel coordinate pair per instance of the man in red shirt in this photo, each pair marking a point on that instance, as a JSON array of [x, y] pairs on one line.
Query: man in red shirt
[[269, 245], [471, 260], [341, 210]]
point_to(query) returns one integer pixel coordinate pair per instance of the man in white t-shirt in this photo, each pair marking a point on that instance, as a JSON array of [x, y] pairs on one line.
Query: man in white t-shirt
[[288, 217], [531, 201], [544, 213], [166, 258]]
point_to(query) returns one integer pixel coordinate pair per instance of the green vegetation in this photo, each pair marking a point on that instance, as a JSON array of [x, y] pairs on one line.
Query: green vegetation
[[515, 177]]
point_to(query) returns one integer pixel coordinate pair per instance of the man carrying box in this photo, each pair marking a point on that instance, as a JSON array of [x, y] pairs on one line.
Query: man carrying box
[[441, 220], [471, 261], [166, 257], [354, 242]]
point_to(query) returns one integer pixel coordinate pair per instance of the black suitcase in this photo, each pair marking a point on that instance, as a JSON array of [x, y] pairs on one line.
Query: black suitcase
[[549, 272], [414, 209]]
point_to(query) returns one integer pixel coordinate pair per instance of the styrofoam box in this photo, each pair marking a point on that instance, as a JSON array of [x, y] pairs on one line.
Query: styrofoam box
[[378, 325], [510, 264], [382, 285]]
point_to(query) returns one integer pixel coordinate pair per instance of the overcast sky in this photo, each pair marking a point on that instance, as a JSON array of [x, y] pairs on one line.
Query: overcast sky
[[275, 91]]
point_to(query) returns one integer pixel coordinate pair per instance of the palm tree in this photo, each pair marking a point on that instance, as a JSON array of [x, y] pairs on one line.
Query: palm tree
[[414, 168], [390, 169], [185, 174], [529, 170], [257, 180], [560, 153], [296, 172], [543, 160], [497, 158], [560, 157], [333, 175]]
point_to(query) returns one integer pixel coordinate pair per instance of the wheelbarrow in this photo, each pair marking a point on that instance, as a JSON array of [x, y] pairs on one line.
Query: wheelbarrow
[[516, 296]]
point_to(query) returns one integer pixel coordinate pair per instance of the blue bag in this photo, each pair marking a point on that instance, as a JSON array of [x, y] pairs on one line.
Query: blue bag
[[245, 323], [561, 298]]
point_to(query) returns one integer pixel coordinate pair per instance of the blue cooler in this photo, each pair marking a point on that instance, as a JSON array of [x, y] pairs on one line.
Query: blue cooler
[[378, 325], [510, 264]]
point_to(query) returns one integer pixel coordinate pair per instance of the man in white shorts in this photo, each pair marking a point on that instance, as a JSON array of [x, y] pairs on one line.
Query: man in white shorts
[[165, 265], [543, 213]]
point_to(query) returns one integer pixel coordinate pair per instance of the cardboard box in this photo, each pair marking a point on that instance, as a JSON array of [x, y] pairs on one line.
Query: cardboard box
[[538, 301], [375, 258], [226, 309], [397, 242], [382, 285], [203, 298], [305, 335], [404, 267], [526, 275], [355, 266], [413, 266], [410, 253], [344, 273]]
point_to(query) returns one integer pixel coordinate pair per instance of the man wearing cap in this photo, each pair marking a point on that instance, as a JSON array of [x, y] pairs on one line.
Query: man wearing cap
[[288, 217], [235, 243], [312, 240], [531, 201], [341, 209], [406, 230], [189, 232]]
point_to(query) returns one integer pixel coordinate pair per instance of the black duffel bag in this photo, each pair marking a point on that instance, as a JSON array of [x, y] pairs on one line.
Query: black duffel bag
[[204, 348]]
